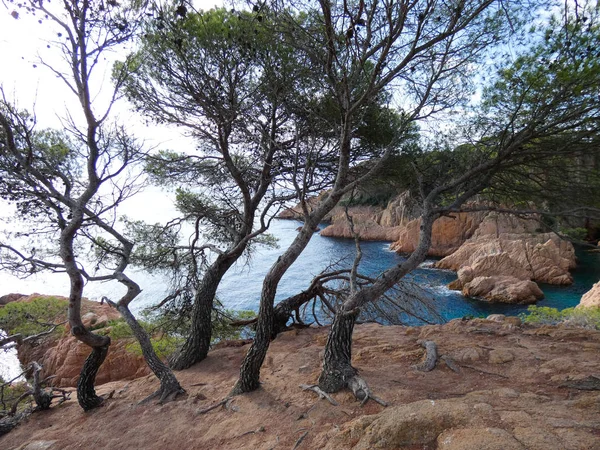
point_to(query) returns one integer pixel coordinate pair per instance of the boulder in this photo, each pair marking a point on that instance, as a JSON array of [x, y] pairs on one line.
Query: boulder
[[8, 298], [411, 426], [591, 297], [478, 438], [503, 290]]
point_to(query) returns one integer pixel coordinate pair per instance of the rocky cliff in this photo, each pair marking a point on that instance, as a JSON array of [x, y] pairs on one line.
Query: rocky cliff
[[506, 256], [372, 223]]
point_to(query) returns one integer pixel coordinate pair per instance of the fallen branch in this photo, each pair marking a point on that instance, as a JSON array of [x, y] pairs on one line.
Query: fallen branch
[[299, 441], [322, 394], [431, 356], [591, 383]]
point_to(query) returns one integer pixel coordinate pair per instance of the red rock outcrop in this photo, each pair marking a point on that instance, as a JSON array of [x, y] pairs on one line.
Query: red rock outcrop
[[63, 355], [505, 248], [447, 235], [8, 298]]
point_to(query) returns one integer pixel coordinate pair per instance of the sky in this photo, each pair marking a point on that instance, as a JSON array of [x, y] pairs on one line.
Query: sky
[[31, 86]]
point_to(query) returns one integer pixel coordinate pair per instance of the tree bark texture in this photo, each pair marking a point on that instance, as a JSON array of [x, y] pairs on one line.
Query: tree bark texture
[[86, 394], [169, 386], [197, 344], [337, 362]]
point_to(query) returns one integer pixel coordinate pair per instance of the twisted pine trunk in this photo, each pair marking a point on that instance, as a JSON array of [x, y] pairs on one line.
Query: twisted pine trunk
[[197, 344], [169, 386], [249, 379], [337, 361], [86, 394]]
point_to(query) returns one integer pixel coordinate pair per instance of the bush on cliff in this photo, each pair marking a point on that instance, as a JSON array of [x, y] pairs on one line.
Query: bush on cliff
[[34, 316], [579, 317], [165, 340]]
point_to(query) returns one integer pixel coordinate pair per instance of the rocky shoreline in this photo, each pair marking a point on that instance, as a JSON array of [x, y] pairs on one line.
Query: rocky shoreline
[[497, 257]]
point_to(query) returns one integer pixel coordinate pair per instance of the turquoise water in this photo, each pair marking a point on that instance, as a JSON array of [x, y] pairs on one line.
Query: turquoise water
[[241, 288]]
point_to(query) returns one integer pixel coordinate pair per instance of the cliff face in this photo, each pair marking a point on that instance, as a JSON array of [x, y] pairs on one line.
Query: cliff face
[[447, 235], [372, 223]]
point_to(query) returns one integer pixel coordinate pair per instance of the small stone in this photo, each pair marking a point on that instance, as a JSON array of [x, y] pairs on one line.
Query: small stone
[[496, 317], [500, 356]]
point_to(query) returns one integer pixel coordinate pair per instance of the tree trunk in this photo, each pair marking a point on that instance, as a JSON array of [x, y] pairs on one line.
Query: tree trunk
[[169, 386], [86, 394], [197, 343], [337, 361], [249, 379]]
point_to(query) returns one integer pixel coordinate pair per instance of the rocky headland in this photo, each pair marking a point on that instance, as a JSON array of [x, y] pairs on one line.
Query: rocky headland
[[514, 387]]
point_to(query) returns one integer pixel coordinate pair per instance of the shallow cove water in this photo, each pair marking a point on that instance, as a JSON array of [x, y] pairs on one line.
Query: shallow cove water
[[241, 287]]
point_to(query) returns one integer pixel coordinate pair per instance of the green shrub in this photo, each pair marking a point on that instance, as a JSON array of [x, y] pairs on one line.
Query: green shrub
[[165, 343], [33, 317], [577, 234], [579, 317]]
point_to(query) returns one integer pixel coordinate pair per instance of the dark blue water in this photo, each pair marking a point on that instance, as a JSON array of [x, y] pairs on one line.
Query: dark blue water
[[241, 287]]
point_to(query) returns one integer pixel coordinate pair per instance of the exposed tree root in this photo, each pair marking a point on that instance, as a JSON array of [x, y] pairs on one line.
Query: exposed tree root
[[361, 391], [431, 357], [226, 403], [299, 441], [322, 394], [165, 395]]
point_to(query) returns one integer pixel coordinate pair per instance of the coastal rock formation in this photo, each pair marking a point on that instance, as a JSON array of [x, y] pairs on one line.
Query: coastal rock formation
[[372, 223], [501, 289], [447, 235], [506, 250], [63, 355], [367, 223], [591, 297]]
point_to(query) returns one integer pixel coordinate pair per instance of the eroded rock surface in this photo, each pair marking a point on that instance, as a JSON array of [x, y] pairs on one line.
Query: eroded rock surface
[[512, 391], [591, 297]]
